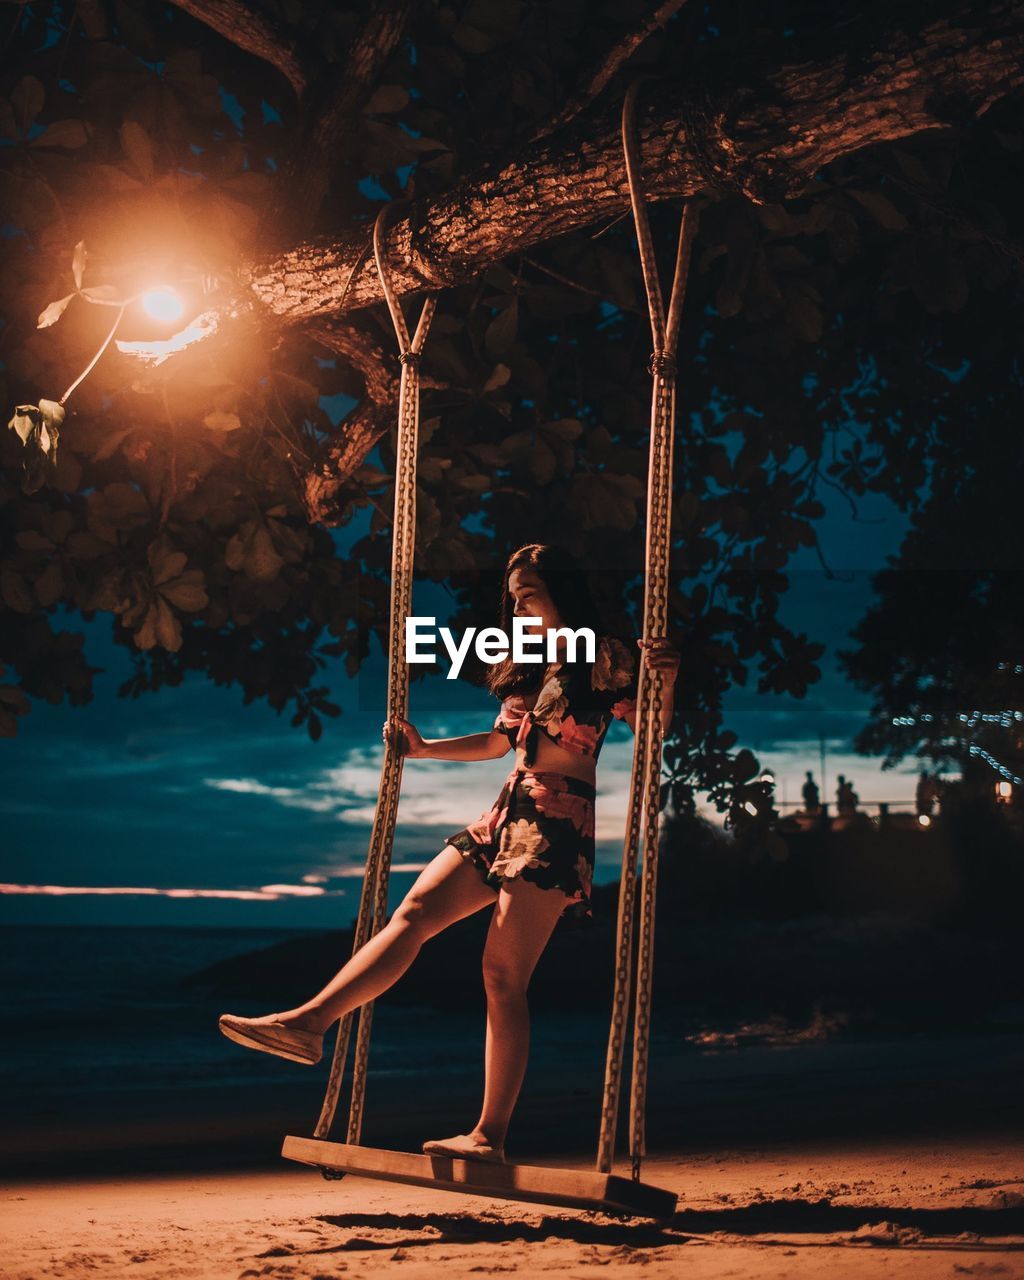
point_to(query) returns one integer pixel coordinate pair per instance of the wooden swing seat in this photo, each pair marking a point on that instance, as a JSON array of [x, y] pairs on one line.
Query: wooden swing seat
[[538, 1184]]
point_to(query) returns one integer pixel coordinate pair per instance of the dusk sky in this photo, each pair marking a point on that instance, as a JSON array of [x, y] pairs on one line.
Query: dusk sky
[[189, 790]]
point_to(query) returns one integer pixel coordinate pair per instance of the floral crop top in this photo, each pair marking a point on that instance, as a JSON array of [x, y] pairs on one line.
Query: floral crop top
[[573, 712]]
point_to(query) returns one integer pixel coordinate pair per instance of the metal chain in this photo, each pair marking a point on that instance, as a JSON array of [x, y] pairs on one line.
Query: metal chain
[[645, 783], [374, 897]]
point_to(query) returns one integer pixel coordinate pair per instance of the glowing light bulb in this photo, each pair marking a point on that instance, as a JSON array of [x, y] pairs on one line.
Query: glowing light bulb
[[163, 305], [924, 820]]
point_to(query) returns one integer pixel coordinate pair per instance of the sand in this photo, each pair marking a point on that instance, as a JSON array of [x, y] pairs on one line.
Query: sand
[[911, 1209]]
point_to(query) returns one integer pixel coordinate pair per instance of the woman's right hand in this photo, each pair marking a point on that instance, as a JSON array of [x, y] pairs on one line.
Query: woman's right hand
[[404, 736]]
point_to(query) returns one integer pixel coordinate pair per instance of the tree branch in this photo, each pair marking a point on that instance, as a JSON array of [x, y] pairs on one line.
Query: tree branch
[[613, 61], [360, 430], [252, 32], [767, 142], [313, 161]]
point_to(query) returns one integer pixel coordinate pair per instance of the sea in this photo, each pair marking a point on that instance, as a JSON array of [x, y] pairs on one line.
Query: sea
[[109, 1060], [92, 1006]]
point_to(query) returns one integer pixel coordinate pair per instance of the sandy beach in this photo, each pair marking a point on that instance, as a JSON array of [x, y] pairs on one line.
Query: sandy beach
[[148, 1146], [861, 1210]]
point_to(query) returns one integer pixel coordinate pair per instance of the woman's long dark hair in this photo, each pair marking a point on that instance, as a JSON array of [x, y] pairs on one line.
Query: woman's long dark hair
[[570, 593]]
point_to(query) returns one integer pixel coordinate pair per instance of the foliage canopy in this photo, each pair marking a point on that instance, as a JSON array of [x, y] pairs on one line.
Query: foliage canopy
[[847, 336]]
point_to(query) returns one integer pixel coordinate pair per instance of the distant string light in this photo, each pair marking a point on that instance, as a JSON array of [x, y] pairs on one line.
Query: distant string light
[[1002, 718], [1008, 774]]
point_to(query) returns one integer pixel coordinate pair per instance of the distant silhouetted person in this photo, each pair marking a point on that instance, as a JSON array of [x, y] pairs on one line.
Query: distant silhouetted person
[[846, 797], [811, 794], [927, 792]]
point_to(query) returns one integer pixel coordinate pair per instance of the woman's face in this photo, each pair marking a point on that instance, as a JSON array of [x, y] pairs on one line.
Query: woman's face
[[530, 599]]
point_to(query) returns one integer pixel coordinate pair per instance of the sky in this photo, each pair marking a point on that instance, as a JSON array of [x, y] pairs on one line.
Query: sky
[[223, 814]]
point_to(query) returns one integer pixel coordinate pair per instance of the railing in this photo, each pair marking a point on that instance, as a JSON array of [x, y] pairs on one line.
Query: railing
[[878, 811]]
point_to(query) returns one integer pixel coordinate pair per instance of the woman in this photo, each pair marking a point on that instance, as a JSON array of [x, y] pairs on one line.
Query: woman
[[531, 855]]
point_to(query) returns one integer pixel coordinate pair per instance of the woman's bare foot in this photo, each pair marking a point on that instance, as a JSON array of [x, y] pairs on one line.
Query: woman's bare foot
[[298, 1019], [495, 1140], [465, 1146], [270, 1035]]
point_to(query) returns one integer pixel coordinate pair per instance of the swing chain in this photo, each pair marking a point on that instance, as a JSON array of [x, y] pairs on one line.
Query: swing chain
[[374, 896], [642, 829]]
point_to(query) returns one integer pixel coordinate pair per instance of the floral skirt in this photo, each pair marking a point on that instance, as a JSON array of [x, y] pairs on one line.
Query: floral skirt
[[541, 827]]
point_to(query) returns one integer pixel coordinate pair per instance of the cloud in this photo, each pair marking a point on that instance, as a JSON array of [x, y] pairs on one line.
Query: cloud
[[267, 893], [248, 786]]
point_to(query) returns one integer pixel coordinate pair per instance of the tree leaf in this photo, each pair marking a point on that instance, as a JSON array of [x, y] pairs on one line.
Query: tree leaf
[[165, 562], [78, 263], [52, 412], [117, 508], [501, 332], [805, 317], [67, 134], [218, 421], [880, 207], [14, 591], [33, 540], [25, 420], [8, 125], [49, 586], [744, 766], [262, 561], [14, 699], [234, 551], [187, 592], [27, 100], [52, 313], [145, 636], [138, 147], [387, 99], [500, 375], [168, 628]]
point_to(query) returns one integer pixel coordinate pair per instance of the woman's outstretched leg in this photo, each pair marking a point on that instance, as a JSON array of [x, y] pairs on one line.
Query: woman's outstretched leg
[[447, 889], [523, 921]]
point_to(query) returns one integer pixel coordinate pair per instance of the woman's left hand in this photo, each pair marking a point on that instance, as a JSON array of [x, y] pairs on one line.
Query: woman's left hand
[[662, 655]]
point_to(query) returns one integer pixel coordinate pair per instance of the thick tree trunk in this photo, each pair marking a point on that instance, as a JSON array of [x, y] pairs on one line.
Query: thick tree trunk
[[767, 141]]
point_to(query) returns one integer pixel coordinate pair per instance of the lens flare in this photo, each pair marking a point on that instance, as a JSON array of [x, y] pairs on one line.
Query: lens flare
[[154, 353], [163, 305]]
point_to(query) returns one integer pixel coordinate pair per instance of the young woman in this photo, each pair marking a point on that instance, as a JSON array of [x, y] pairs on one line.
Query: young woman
[[531, 856]]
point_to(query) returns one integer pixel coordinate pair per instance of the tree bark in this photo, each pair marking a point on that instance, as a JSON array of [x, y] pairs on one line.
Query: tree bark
[[767, 141]]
